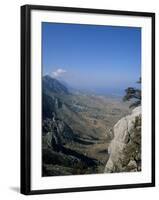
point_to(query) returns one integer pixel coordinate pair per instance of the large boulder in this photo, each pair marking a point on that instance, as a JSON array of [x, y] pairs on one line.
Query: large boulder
[[125, 148]]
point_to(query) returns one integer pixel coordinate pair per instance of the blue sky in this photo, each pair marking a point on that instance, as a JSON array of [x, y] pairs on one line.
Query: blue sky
[[98, 58]]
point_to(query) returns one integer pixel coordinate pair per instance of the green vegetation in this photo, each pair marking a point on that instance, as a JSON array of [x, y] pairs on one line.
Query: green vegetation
[[133, 93]]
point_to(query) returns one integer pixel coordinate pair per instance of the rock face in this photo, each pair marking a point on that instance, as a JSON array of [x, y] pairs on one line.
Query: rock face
[[125, 148]]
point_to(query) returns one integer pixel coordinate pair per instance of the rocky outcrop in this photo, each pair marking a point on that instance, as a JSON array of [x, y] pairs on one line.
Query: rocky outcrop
[[59, 159], [125, 148]]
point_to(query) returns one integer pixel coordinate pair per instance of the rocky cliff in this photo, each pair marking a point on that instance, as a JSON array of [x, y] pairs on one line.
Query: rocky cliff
[[125, 148]]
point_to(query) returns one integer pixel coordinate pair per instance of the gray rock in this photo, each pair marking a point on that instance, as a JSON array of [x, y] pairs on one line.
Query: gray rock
[[125, 148]]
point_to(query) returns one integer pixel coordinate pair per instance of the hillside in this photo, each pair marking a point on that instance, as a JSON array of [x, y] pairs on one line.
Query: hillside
[[76, 129]]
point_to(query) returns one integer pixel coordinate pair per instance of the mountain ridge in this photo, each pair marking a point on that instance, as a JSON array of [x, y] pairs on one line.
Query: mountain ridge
[[53, 85]]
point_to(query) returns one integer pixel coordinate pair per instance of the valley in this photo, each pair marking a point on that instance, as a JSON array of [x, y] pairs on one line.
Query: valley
[[77, 129]]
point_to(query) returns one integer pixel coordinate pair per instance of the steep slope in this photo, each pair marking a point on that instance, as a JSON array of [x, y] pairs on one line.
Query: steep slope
[[53, 85], [59, 159], [125, 148]]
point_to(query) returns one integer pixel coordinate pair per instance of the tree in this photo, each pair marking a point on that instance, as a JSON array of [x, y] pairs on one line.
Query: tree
[[133, 93]]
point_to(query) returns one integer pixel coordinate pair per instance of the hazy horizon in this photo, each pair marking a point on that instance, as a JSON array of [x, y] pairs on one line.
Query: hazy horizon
[[103, 59]]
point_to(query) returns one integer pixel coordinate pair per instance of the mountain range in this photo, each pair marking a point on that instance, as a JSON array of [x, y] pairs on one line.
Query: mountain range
[[76, 129]]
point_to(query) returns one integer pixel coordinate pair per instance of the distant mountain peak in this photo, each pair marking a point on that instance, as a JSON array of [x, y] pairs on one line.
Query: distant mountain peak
[[53, 85]]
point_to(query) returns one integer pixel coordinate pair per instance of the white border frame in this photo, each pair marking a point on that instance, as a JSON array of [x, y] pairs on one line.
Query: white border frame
[[37, 181]]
